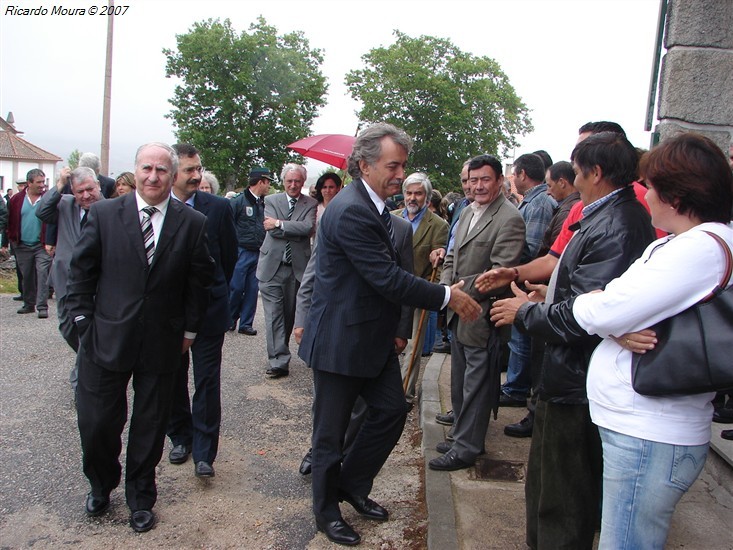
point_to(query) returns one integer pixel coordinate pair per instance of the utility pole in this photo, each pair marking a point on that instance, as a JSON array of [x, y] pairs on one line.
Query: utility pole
[[107, 92]]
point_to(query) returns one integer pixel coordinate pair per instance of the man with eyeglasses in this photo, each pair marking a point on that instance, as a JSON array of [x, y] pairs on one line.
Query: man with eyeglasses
[[490, 234]]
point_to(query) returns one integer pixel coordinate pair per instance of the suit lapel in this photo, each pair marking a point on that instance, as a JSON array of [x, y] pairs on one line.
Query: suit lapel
[[201, 203], [364, 195], [171, 223], [131, 223], [422, 229]]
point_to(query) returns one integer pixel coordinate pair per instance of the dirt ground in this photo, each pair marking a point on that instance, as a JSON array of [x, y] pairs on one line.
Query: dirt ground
[[257, 499]]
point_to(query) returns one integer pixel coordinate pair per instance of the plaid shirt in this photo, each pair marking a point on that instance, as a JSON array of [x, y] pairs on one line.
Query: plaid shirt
[[537, 208]]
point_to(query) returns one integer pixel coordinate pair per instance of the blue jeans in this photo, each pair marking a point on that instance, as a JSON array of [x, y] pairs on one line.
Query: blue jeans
[[243, 288], [642, 483], [519, 373]]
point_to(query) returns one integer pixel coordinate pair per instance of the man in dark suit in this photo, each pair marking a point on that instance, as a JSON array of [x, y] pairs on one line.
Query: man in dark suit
[[349, 337], [138, 288], [290, 220], [196, 430], [69, 213]]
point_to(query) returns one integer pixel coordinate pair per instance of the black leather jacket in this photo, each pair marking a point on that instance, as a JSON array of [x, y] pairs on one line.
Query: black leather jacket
[[605, 244]]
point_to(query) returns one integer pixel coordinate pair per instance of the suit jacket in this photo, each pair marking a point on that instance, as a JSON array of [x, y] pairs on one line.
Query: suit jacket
[[359, 289], [298, 230], [432, 233], [496, 240], [222, 242], [63, 211], [136, 313]]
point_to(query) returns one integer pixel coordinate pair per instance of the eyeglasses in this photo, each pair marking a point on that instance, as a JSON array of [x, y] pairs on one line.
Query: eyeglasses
[[192, 169]]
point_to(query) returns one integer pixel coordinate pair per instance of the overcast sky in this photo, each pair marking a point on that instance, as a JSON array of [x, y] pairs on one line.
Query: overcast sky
[[570, 61]]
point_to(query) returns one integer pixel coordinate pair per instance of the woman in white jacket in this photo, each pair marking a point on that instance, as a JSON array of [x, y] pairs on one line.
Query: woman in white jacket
[[655, 447]]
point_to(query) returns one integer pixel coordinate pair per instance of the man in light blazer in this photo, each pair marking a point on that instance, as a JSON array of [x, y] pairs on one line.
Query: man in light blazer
[[290, 220], [489, 234], [194, 425], [69, 213], [349, 337], [138, 288]]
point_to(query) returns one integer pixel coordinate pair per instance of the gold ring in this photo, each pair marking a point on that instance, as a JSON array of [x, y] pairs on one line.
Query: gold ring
[[627, 341]]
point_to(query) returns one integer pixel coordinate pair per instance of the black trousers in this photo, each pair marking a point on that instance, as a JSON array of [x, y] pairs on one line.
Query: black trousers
[[196, 422], [334, 399], [102, 413]]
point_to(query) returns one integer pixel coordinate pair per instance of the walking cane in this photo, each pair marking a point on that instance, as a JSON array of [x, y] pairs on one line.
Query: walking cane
[[419, 331]]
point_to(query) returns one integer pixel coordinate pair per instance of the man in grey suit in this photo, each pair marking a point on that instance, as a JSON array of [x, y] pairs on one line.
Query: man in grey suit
[[69, 213], [349, 337], [290, 220], [490, 234]]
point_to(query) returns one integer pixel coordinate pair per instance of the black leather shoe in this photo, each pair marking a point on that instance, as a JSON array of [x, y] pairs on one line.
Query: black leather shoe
[[179, 454], [365, 506], [305, 465], [17, 298], [723, 415], [727, 434], [275, 372], [506, 401], [339, 532], [249, 331], [43, 314], [523, 428], [443, 447], [448, 462], [203, 469], [96, 506], [446, 419], [142, 520], [26, 309]]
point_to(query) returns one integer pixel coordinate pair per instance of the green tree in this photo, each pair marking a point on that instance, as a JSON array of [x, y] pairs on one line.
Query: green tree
[[453, 104], [243, 97], [74, 158]]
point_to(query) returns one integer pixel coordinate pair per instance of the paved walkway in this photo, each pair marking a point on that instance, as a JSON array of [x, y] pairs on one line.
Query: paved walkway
[[465, 512]]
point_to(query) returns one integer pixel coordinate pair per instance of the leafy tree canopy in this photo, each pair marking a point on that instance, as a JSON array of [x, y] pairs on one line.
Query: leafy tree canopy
[[453, 104], [73, 159], [243, 97]]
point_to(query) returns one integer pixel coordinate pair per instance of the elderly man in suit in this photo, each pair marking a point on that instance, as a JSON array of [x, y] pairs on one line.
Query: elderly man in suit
[[69, 213], [290, 220], [138, 288], [429, 231], [194, 427], [349, 337], [490, 234]]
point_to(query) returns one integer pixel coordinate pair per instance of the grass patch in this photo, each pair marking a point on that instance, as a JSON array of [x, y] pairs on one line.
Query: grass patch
[[8, 282]]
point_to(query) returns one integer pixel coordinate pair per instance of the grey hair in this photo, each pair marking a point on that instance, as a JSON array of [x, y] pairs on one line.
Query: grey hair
[[211, 178], [296, 168], [422, 179], [90, 160], [82, 173], [168, 148], [368, 145]]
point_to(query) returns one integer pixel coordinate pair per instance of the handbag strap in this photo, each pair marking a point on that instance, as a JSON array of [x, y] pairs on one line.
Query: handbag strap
[[728, 267]]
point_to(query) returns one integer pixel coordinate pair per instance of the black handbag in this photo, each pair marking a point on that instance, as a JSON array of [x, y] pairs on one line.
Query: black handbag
[[694, 353]]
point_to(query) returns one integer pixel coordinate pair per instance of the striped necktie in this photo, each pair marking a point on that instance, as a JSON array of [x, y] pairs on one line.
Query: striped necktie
[[288, 251], [148, 234], [387, 217]]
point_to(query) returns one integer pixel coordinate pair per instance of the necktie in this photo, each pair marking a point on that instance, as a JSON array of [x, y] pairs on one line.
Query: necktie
[[83, 220], [288, 252], [148, 234], [387, 217]]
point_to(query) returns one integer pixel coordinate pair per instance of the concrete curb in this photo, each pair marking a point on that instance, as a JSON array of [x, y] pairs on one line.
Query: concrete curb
[[442, 531]]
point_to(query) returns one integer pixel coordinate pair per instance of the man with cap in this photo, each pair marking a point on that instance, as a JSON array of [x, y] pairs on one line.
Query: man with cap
[[249, 216]]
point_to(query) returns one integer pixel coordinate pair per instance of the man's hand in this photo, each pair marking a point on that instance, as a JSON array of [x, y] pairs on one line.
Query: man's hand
[[494, 278], [466, 307], [298, 333], [437, 256], [399, 345], [504, 311], [537, 293], [270, 223], [50, 249], [64, 175], [638, 342], [187, 343]]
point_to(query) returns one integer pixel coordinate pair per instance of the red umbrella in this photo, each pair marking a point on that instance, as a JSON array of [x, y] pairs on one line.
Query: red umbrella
[[331, 148]]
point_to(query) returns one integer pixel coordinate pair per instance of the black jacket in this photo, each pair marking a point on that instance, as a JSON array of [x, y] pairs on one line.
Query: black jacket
[[249, 217], [605, 244]]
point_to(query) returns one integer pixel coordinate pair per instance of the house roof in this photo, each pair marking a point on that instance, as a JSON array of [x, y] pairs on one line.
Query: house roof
[[13, 147]]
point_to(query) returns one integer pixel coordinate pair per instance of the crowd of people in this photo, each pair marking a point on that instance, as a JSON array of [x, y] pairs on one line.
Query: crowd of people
[[558, 287]]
